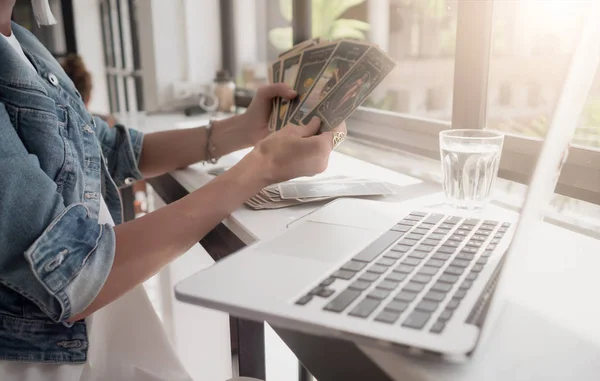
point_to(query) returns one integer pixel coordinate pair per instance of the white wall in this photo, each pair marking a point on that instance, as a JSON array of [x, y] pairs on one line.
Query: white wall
[[89, 45]]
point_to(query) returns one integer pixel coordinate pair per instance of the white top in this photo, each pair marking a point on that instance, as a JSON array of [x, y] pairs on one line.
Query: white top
[[127, 341]]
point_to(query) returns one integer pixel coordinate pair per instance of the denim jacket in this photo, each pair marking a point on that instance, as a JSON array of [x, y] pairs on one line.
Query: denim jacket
[[56, 161]]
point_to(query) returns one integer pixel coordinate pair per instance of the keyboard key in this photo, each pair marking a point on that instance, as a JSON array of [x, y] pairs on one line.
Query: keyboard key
[[454, 219], [502, 230], [471, 276], [465, 256], [477, 268], [405, 296], [401, 248], [343, 300], [447, 278], [402, 268], [487, 227], [418, 213], [413, 218], [326, 293], [506, 225], [482, 261], [385, 262], [460, 294], [499, 235], [378, 269], [437, 236], [303, 300], [438, 327], [443, 231], [448, 226], [414, 236], [466, 285], [408, 242], [393, 254], [421, 278], [462, 232], [495, 240], [388, 285], [460, 263], [378, 246], [469, 250], [434, 218], [354, 266], [456, 237], [397, 305], [454, 270], [401, 228], [389, 317], [364, 308], [479, 238], [445, 315], [413, 287], [483, 233], [471, 221], [468, 228], [473, 243], [408, 223], [421, 231], [453, 304], [428, 270], [426, 225], [427, 306], [416, 320], [369, 277], [396, 277], [446, 249], [491, 246], [435, 263], [360, 285], [327, 282], [343, 274], [435, 296], [430, 242], [441, 256], [442, 287], [453, 244], [411, 261], [316, 290], [418, 254], [378, 294], [487, 253]]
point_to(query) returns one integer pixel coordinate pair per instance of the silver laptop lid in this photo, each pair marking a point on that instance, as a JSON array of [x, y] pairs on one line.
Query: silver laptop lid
[[578, 82]]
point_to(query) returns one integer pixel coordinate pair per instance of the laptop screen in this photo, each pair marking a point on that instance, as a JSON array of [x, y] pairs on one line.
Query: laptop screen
[[578, 82]]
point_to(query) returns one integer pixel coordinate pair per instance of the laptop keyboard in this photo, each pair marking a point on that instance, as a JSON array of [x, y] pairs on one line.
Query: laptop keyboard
[[411, 272]]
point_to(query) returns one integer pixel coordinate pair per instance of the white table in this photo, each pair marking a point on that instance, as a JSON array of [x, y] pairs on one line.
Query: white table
[[550, 328]]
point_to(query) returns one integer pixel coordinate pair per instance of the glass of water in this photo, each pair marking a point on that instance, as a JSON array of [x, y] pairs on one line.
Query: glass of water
[[470, 160]]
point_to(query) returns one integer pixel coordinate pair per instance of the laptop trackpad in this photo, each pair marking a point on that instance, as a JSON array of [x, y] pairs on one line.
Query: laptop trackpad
[[323, 242]]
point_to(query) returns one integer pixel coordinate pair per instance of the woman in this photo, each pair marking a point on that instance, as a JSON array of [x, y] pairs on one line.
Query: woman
[[71, 302]]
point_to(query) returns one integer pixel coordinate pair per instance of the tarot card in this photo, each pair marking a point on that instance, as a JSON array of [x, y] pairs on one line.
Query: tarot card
[[352, 90], [274, 78], [289, 68], [299, 47], [341, 61], [312, 62], [334, 189]]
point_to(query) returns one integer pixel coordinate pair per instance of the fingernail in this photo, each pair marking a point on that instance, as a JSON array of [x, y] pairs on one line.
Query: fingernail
[[315, 119]]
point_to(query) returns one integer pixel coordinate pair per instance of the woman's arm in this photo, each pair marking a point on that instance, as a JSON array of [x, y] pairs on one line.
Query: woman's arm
[[166, 151], [145, 245]]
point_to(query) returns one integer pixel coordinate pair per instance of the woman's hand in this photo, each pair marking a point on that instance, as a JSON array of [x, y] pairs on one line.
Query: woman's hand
[[294, 151], [255, 121]]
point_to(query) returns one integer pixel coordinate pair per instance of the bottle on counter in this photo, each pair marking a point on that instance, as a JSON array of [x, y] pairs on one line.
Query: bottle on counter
[[224, 90]]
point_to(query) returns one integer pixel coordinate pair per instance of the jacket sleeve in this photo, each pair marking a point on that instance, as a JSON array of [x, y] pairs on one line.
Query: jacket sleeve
[[56, 256], [122, 148]]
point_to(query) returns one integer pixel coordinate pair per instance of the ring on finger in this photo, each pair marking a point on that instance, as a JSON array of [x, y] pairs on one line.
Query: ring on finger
[[338, 138]]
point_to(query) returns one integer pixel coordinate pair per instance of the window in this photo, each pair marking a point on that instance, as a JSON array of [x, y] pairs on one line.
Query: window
[[121, 54], [59, 40]]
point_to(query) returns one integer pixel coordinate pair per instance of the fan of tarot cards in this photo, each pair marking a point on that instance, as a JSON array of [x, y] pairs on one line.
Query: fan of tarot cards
[[332, 79]]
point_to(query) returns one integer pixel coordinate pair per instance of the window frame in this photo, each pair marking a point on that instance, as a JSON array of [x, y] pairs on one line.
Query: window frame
[[579, 178]]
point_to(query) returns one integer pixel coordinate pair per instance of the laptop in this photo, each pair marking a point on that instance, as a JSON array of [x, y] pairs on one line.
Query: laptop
[[396, 276]]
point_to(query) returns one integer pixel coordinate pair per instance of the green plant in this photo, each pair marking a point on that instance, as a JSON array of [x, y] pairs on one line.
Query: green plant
[[326, 22]]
